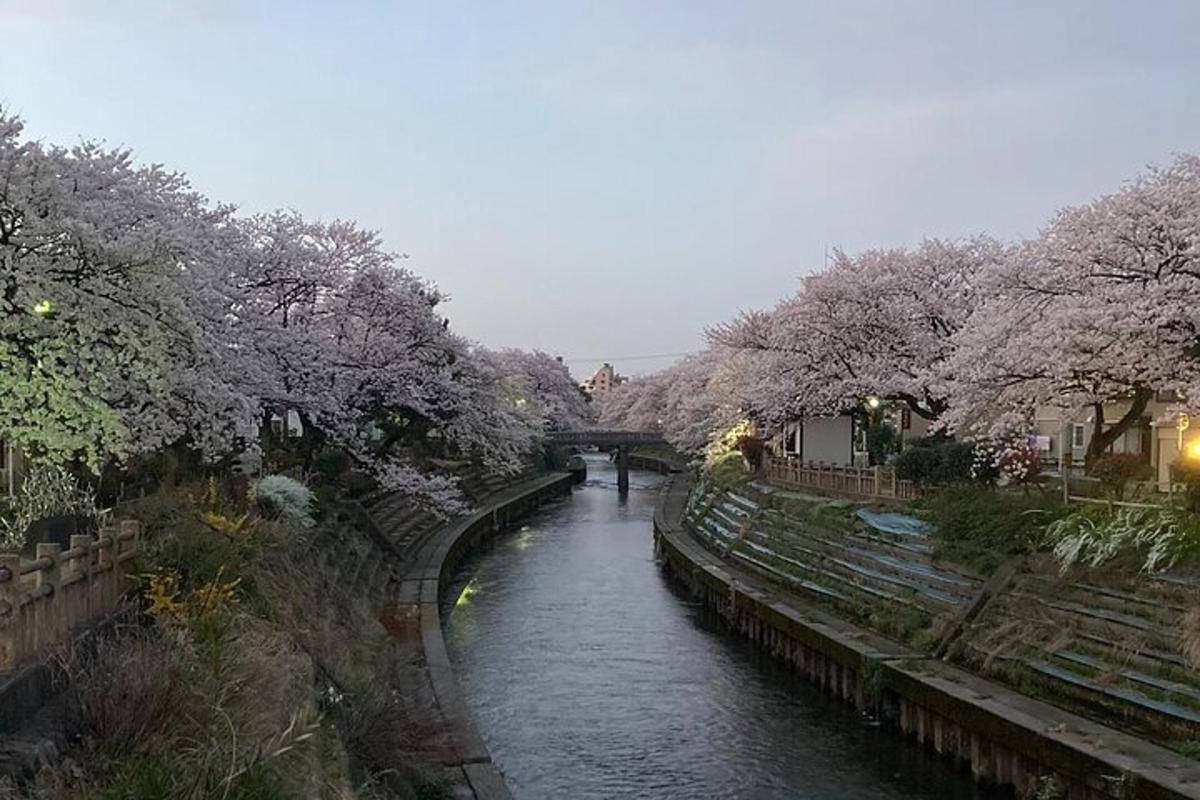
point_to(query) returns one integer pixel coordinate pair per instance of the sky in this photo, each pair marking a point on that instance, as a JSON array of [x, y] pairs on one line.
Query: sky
[[604, 180]]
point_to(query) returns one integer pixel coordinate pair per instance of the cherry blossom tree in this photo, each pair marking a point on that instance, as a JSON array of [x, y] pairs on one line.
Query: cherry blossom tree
[[690, 402], [104, 272], [879, 323], [137, 315], [542, 387], [1096, 308]]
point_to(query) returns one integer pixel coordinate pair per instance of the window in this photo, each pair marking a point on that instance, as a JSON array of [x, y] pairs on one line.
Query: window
[[1077, 435]]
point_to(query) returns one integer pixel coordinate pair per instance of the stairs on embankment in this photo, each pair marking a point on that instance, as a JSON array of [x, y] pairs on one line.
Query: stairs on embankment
[[868, 568], [1107, 649], [1110, 653]]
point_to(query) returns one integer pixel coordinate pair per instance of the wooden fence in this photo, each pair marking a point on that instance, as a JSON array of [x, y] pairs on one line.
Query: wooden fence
[[874, 482], [45, 599]]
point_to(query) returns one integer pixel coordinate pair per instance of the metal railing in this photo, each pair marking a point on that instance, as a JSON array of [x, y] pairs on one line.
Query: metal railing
[[44, 599], [880, 482]]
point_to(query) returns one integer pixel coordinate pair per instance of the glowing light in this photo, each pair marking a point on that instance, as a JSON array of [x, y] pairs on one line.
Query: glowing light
[[1193, 450], [464, 599], [872, 402], [43, 308]]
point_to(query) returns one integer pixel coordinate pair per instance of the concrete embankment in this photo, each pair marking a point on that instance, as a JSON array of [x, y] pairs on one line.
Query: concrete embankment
[[464, 755], [1000, 734]]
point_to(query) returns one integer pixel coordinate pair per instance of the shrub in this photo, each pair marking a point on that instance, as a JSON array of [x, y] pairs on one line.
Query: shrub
[[1116, 470], [937, 460], [982, 526], [752, 449], [1188, 473], [882, 441], [47, 491], [1160, 537], [359, 484], [1018, 463], [331, 464], [124, 691], [281, 497]]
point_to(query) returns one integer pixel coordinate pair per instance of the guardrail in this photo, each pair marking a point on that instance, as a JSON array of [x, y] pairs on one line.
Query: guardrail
[[44, 599], [880, 482], [604, 438]]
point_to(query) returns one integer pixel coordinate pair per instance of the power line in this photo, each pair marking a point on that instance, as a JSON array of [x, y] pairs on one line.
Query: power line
[[615, 359]]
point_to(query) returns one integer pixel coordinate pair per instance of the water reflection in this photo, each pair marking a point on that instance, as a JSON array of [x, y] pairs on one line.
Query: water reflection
[[591, 676]]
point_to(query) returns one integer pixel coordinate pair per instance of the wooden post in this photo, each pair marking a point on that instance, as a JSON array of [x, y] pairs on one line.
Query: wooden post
[[10, 564], [48, 619], [51, 575], [81, 591]]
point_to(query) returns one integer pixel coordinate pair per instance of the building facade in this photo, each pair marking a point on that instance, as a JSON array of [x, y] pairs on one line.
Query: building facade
[[603, 380]]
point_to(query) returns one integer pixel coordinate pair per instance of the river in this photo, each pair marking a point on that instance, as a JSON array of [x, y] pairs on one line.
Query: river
[[592, 676]]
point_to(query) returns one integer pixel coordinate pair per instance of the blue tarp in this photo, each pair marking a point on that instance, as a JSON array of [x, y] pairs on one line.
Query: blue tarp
[[891, 522]]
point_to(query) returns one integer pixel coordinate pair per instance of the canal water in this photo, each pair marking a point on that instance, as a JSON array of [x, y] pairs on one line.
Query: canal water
[[591, 676]]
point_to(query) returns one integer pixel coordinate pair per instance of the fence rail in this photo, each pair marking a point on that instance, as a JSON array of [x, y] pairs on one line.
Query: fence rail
[[44, 599], [879, 482]]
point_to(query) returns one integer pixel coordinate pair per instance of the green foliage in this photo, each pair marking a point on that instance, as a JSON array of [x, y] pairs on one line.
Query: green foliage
[[982, 527], [1116, 470], [359, 484], [1190, 748], [331, 464], [51, 411], [937, 460], [1187, 472], [1050, 788], [1160, 538], [433, 788], [728, 442], [47, 491], [142, 778], [882, 441], [752, 449], [728, 469]]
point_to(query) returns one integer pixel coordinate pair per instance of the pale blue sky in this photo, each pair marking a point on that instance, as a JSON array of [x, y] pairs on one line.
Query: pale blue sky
[[605, 179]]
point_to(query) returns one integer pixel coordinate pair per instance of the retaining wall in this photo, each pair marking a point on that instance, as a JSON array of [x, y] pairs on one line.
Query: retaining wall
[[466, 757], [999, 734]]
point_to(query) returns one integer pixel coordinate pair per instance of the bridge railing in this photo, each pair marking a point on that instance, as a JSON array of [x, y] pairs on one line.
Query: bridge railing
[[880, 482], [604, 437]]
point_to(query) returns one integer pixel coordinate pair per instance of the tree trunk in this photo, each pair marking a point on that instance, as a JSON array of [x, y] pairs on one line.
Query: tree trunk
[[1103, 437]]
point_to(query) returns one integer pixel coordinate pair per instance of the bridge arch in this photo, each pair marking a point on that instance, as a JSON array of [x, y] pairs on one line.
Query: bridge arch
[[623, 441]]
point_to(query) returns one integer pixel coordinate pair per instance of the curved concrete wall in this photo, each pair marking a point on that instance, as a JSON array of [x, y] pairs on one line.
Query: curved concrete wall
[[423, 585]]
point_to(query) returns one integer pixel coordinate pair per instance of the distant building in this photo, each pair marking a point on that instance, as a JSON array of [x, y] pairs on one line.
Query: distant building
[[602, 380]]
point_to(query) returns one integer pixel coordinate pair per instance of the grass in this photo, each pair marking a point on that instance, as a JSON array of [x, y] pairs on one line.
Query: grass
[[261, 676], [981, 527]]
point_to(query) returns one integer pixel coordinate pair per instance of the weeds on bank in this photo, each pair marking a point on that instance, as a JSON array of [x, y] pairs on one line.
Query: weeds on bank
[[982, 527]]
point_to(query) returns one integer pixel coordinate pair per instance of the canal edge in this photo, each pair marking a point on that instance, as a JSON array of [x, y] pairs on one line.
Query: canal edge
[[467, 756], [1005, 737]]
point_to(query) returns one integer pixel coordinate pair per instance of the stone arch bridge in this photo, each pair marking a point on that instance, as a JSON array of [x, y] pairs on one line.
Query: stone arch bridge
[[622, 441]]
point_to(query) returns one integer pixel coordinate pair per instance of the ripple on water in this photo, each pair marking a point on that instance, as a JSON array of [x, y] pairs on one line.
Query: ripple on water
[[592, 677]]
